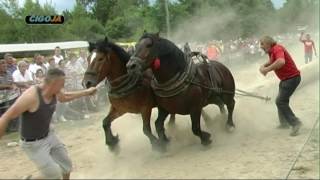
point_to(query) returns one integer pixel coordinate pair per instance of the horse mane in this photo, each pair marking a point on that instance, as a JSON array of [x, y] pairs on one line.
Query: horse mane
[[106, 46], [167, 48]]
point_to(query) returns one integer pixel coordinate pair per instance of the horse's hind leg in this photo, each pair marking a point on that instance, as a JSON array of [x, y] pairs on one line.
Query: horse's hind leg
[[220, 104], [222, 109], [162, 115], [196, 128], [172, 119], [147, 128], [230, 107], [111, 140]]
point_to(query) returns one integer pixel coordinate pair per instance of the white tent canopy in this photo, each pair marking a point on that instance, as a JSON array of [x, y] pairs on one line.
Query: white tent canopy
[[27, 47]]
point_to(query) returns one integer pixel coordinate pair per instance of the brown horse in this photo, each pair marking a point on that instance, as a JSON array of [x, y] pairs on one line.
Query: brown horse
[[181, 86], [128, 93]]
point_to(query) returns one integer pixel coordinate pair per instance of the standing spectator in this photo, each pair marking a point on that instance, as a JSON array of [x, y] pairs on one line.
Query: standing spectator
[[284, 67], [74, 71], [22, 76], [57, 55], [51, 62], [8, 94], [212, 52], [308, 45], [83, 59], [39, 64], [10, 63]]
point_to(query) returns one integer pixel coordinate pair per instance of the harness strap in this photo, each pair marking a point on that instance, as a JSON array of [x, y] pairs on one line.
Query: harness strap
[[129, 83]]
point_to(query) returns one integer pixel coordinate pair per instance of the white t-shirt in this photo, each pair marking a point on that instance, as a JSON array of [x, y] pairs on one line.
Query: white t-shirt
[[18, 77], [46, 65], [57, 59], [33, 68]]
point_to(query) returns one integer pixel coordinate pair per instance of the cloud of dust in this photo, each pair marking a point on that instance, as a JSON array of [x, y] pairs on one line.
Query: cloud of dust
[[203, 27]]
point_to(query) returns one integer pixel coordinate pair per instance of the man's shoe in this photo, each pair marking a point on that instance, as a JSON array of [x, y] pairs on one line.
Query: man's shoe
[[295, 129]]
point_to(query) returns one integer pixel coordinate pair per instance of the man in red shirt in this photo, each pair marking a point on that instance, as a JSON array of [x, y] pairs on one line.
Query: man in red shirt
[[308, 45], [284, 67], [212, 52]]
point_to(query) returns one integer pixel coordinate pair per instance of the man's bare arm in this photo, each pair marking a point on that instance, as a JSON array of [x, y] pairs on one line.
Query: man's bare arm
[[22, 104], [314, 48], [301, 35], [69, 96]]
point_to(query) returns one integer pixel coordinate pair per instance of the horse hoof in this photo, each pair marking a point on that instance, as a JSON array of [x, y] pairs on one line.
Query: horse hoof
[[113, 141], [206, 142], [230, 128], [159, 147], [205, 139], [114, 149]]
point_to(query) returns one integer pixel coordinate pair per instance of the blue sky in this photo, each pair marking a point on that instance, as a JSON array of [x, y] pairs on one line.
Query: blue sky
[[61, 5]]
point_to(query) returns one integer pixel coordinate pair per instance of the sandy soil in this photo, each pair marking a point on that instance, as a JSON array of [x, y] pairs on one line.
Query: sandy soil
[[255, 150]]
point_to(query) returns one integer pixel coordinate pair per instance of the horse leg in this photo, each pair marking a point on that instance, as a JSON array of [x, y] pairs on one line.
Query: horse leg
[[196, 129], [222, 109], [111, 140], [162, 115], [147, 128], [230, 107], [220, 104], [172, 119]]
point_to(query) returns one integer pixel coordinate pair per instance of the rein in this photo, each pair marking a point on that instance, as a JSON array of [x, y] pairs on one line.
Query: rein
[[181, 81]]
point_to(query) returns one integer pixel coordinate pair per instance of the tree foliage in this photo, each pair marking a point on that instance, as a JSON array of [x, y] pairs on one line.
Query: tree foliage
[[125, 20]]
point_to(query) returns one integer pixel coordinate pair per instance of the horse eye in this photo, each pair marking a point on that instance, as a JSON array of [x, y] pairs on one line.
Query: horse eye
[[149, 45]]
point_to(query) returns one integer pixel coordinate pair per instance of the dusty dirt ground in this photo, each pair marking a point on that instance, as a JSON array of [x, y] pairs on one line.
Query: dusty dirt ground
[[256, 149]]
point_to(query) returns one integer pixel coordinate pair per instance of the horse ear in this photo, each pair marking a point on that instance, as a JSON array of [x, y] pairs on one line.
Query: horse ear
[[158, 34], [106, 39], [145, 32], [92, 46]]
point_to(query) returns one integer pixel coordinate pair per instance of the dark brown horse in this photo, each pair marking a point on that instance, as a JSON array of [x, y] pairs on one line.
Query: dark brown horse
[[128, 93], [182, 87]]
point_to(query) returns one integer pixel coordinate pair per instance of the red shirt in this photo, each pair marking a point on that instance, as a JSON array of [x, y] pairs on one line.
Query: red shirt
[[212, 53], [289, 69], [308, 45]]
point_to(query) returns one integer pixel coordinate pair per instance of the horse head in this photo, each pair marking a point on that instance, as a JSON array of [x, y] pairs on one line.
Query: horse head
[[155, 52], [105, 59]]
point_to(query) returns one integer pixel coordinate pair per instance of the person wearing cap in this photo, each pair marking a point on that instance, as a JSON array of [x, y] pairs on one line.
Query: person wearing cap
[[281, 62]]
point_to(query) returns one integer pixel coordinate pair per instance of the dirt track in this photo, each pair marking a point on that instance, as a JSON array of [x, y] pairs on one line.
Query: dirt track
[[255, 150]]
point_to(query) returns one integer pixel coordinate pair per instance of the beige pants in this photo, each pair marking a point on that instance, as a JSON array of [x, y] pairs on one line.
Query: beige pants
[[49, 155]]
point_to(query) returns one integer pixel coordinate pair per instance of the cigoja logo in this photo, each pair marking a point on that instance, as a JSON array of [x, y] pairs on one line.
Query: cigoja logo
[[38, 19]]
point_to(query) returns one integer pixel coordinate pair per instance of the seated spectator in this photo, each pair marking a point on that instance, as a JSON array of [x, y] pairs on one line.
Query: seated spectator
[[22, 76], [10, 63], [39, 76], [8, 93]]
